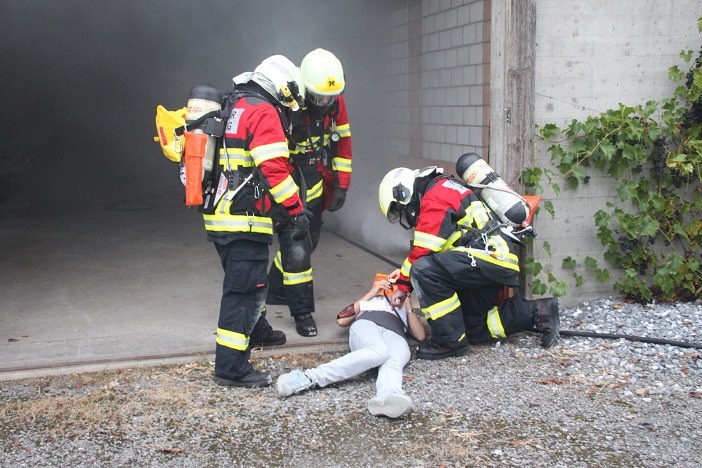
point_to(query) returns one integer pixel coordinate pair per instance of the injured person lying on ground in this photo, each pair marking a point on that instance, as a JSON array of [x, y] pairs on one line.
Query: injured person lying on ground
[[377, 338]]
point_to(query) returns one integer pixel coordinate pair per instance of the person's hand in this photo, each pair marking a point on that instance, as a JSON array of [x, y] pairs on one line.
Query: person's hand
[[394, 275], [398, 298], [382, 285], [338, 199], [301, 224]]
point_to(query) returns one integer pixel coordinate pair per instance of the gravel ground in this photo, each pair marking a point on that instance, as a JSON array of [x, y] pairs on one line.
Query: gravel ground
[[584, 402]]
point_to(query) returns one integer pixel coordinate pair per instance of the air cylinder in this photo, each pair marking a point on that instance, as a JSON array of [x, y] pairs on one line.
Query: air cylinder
[[507, 205]]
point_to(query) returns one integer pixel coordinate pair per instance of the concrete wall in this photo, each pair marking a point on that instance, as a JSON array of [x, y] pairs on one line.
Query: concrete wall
[[590, 56], [437, 83]]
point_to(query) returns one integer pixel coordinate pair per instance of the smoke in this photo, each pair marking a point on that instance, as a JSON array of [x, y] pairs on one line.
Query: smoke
[[81, 80]]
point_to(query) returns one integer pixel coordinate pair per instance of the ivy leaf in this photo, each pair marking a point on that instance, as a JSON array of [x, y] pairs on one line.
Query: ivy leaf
[[549, 131], [590, 262], [548, 206], [608, 149], [558, 288], [569, 263], [686, 55], [649, 226], [675, 74], [602, 275], [538, 287], [579, 280], [651, 107], [547, 248], [627, 189]]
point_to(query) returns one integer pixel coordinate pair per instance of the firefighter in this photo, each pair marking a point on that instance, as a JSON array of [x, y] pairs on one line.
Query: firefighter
[[458, 266], [320, 163], [253, 158]]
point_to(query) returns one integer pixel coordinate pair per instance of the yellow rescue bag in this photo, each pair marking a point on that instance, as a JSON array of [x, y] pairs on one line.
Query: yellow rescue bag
[[166, 123]]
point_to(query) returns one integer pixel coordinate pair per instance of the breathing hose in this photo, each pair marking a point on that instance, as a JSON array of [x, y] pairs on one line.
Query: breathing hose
[[582, 334]]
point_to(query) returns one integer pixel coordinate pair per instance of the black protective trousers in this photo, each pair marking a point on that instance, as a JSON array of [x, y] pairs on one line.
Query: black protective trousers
[[294, 282], [241, 312], [460, 302]]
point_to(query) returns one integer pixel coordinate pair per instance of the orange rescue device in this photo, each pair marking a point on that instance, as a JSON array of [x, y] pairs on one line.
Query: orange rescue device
[[195, 148], [381, 277]]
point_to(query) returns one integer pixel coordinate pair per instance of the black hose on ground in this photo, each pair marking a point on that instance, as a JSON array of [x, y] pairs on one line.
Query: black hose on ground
[[606, 336], [640, 339]]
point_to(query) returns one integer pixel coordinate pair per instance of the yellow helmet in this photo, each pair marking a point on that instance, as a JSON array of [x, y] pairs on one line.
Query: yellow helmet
[[323, 77]]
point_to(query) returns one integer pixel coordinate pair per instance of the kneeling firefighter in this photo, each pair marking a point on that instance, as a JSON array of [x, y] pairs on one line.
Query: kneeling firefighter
[[251, 169], [320, 163], [462, 256]]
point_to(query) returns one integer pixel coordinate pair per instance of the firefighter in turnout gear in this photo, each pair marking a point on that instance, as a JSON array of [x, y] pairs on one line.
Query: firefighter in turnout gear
[[320, 164], [253, 177], [459, 263]]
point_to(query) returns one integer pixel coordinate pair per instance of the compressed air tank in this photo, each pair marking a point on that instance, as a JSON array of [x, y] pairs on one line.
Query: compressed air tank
[[509, 207], [201, 100]]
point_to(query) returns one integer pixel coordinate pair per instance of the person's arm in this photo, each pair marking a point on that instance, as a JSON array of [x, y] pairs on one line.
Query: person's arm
[[377, 287], [415, 325]]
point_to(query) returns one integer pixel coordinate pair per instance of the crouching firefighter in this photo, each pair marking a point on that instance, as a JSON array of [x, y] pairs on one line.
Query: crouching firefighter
[[320, 163], [251, 169], [460, 261]]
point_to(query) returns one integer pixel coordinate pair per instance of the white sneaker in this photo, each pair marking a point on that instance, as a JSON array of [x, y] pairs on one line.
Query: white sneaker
[[293, 382], [393, 406]]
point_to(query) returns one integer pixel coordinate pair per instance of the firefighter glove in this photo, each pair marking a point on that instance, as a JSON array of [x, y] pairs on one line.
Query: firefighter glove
[[301, 224], [338, 199]]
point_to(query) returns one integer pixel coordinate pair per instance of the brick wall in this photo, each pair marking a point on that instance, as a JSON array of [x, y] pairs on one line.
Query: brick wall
[[437, 84], [591, 55]]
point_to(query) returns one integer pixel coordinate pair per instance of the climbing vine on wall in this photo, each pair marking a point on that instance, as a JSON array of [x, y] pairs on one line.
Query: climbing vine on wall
[[653, 234]]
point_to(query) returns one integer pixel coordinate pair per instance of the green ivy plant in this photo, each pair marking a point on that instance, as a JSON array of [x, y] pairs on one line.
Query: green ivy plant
[[654, 153]]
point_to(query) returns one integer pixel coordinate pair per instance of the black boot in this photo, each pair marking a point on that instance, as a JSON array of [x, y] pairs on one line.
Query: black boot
[[252, 379], [305, 325], [433, 351], [273, 338], [547, 320]]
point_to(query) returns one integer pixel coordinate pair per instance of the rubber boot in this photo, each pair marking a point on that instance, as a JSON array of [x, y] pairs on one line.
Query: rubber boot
[[547, 320], [433, 351], [305, 325]]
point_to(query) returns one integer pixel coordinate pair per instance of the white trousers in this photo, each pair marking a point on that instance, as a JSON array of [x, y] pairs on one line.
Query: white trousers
[[371, 346]]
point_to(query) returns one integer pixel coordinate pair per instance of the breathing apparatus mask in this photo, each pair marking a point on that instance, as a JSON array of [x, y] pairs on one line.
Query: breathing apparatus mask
[[407, 214]]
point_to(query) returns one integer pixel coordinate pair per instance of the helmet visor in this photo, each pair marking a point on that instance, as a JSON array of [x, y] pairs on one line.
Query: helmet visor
[[321, 100]]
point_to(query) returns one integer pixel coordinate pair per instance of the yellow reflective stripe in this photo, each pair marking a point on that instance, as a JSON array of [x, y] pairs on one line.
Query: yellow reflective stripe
[[428, 241], [301, 147], [238, 223], [284, 190], [236, 156], [406, 267], [442, 308], [451, 240], [477, 214], [232, 339], [341, 164], [273, 150], [495, 324], [297, 278], [510, 261], [277, 261], [316, 191], [343, 130], [462, 336]]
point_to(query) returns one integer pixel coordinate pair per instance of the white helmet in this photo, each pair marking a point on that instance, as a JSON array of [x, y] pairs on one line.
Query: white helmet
[[395, 192], [323, 76], [282, 79]]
